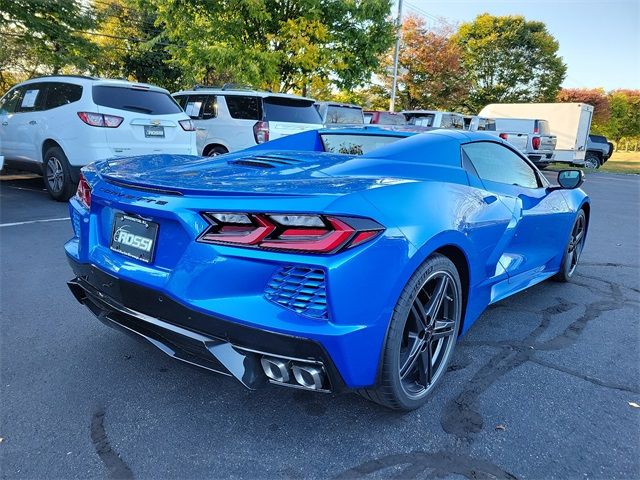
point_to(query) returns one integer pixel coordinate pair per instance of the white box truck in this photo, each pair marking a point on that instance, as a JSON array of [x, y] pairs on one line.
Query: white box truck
[[569, 122]]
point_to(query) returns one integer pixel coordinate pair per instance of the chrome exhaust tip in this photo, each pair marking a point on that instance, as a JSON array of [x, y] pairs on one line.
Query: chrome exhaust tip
[[275, 369], [308, 376]]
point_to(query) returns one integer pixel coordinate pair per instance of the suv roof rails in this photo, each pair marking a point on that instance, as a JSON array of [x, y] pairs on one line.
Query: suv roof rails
[[230, 87], [86, 77]]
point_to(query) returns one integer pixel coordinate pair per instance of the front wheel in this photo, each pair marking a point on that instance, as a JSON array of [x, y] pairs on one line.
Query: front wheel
[[574, 248], [422, 336], [57, 175]]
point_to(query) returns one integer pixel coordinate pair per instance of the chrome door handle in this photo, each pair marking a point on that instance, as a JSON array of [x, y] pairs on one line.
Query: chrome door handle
[[32, 122], [200, 129]]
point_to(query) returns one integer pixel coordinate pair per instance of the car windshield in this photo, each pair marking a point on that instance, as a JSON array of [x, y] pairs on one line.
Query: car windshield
[[338, 114], [354, 144], [150, 102], [387, 118], [291, 110], [424, 120]]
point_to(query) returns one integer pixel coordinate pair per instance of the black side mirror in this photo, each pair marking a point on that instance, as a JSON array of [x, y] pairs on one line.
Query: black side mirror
[[570, 179]]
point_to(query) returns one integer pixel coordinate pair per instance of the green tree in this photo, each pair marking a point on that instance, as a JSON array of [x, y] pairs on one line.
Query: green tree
[[53, 33], [286, 45], [132, 44], [510, 59], [625, 115]]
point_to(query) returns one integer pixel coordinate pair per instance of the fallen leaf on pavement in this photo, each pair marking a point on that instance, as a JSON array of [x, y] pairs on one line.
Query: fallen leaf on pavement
[[500, 427], [633, 404]]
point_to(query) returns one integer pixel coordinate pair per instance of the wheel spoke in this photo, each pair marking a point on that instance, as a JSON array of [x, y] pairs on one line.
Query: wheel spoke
[[424, 368], [435, 302], [419, 314], [444, 328], [414, 353]]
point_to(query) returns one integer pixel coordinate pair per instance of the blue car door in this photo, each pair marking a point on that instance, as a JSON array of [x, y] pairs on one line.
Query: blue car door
[[535, 239]]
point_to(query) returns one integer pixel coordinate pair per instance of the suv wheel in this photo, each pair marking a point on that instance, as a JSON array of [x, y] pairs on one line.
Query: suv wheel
[[217, 150], [57, 175], [591, 160]]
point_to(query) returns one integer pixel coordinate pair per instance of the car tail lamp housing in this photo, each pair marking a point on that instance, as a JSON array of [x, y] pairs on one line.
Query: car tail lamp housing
[[535, 143], [187, 125], [292, 232], [503, 136], [84, 192], [100, 120], [261, 132]]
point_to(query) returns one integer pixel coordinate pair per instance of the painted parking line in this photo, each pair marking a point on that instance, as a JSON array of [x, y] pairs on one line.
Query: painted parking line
[[15, 224]]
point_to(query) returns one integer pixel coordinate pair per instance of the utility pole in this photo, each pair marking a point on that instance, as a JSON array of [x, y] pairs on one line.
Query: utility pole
[[394, 83]]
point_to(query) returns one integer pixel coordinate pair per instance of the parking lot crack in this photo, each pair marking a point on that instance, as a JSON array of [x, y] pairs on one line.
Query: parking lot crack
[[116, 467]]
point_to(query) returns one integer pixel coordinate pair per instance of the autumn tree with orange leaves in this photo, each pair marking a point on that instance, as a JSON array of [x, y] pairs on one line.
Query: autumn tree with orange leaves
[[430, 74]]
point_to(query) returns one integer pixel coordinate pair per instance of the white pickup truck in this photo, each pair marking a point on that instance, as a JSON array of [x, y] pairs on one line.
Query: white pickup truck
[[531, 136]]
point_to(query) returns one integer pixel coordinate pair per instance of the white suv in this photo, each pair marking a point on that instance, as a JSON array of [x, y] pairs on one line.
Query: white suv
[[55, 125], [229, 119]]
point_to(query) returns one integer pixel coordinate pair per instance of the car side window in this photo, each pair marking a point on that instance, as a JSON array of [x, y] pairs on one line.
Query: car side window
[[9, 102], [59, 94], [199, 107], [244, 107], [33, 98], [497, 163]]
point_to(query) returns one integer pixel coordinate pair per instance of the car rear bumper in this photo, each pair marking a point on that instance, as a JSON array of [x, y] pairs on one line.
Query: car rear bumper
[[218, 345]]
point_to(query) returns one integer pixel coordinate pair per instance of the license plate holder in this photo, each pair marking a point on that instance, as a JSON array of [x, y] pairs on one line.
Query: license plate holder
[[153, 131], [134, 237]]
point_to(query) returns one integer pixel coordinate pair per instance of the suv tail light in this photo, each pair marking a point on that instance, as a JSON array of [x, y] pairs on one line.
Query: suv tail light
[[187, 125], [293, 232], [504, 136], [84, 192], [535, 143], [100, 120], [261, 132]]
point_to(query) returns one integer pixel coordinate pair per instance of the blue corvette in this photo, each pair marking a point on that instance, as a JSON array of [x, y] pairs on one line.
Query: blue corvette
[[328, 260]]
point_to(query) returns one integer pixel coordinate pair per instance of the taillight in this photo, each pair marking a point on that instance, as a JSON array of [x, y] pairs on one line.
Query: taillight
[[261, 132], [503, 136], [84, 192], [535, 143], [187, 125], [305, 233], [100, 120]]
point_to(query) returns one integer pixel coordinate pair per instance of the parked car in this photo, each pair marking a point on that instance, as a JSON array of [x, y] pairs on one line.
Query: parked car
[[333, 113], [568, 122], [381, 117], [295, 263], [231, 118], [434, 119], [599, 150], [530, 136], [474, 123], [55, 125]]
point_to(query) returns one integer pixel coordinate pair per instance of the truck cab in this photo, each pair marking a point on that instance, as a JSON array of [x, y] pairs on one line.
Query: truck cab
[[531, 136]]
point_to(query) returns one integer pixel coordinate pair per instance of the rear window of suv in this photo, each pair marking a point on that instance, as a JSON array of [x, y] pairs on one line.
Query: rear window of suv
[[337, 114], [150, 102], [292, 110], [543, 127]]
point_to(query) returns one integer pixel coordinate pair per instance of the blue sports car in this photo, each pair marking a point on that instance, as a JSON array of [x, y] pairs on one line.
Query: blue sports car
[[327, 260]]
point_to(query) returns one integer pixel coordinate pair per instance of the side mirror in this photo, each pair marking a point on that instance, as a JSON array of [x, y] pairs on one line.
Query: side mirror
[[570, 179]]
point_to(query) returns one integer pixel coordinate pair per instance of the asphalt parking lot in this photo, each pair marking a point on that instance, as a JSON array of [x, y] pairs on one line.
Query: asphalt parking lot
[[539, 388]]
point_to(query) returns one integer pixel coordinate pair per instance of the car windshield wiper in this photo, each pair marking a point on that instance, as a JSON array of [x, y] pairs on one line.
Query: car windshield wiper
[[136, 107]]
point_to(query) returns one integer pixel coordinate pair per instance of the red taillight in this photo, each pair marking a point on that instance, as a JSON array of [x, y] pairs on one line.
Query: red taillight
[[261, 132], [503, 136], [535, 143], [100, 120], [187, 125], [84, 192], [306, 233]]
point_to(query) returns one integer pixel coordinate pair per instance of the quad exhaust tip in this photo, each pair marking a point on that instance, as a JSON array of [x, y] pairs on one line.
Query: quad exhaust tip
[[281, 371]]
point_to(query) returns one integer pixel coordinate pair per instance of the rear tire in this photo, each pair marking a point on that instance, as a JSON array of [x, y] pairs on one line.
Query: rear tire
[[591, 160], [57, 175], [421, 336], [216, 150], [573, 250]]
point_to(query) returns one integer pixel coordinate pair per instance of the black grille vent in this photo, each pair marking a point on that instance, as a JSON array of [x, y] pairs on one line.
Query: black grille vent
[[300, 289]]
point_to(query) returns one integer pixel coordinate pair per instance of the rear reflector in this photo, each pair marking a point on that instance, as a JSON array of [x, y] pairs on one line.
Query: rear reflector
[[503, 136], [535, 143], [261, 132], [305, 233]]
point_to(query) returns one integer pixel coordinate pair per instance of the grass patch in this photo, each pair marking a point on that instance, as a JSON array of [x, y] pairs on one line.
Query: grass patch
[[620, 162]]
